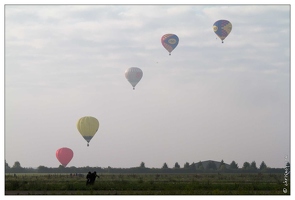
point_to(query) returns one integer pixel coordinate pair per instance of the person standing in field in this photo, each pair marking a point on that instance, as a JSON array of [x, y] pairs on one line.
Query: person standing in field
[[93, 177], [88, 177]]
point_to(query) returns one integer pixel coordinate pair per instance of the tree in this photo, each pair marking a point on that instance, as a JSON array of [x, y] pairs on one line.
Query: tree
[[262, 166], [186, 165], [109, 169], [42, 169], [193, 166], [200, 165], [222, 165], [211, 165], [6, 165], [165, 166], [253, 165], [17, 165], [176, 166], [142, 165], [246, 165], [233, 165]]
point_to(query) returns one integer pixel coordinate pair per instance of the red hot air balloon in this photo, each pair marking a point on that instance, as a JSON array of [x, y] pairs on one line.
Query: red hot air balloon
[[64, 155]]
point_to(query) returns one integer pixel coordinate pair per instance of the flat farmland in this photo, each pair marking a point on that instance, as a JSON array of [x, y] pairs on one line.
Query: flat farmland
[[147, 184]]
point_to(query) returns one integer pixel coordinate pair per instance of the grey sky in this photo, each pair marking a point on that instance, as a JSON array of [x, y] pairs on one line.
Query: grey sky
[[207, 101]]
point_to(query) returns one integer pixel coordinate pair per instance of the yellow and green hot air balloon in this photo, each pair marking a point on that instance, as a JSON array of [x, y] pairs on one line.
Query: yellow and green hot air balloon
[[87, 126]]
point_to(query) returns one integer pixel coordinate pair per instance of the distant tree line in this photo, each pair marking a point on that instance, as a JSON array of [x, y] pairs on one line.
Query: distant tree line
[[200, 167]]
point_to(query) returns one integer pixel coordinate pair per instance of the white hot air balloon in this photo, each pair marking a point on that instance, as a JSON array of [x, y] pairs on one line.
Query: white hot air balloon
[[133, 75]]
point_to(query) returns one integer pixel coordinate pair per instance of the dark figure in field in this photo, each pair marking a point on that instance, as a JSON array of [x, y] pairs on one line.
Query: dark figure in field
[[88, 177], [91, 178]]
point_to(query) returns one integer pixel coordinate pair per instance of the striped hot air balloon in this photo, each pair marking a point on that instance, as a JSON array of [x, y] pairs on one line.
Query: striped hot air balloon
[[222, 28], [169, 41]]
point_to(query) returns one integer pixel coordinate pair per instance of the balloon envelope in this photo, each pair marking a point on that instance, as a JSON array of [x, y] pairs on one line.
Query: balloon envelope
[[169, 41], [222, 28], [87, 126], [133, 75], [64, 155]]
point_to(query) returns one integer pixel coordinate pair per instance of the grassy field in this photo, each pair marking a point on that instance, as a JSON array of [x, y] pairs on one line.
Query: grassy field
[[147, 184]]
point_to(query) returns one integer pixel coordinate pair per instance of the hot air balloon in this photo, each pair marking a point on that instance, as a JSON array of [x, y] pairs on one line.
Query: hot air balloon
[[222, 28], [169, 41], [87, 126], [133, 75], [64, 155]]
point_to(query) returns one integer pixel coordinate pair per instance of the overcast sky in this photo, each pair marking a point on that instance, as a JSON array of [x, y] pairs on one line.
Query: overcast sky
[[207, 101]]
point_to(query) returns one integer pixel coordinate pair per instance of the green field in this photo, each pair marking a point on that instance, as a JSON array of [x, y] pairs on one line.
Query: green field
[[147, 184]]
